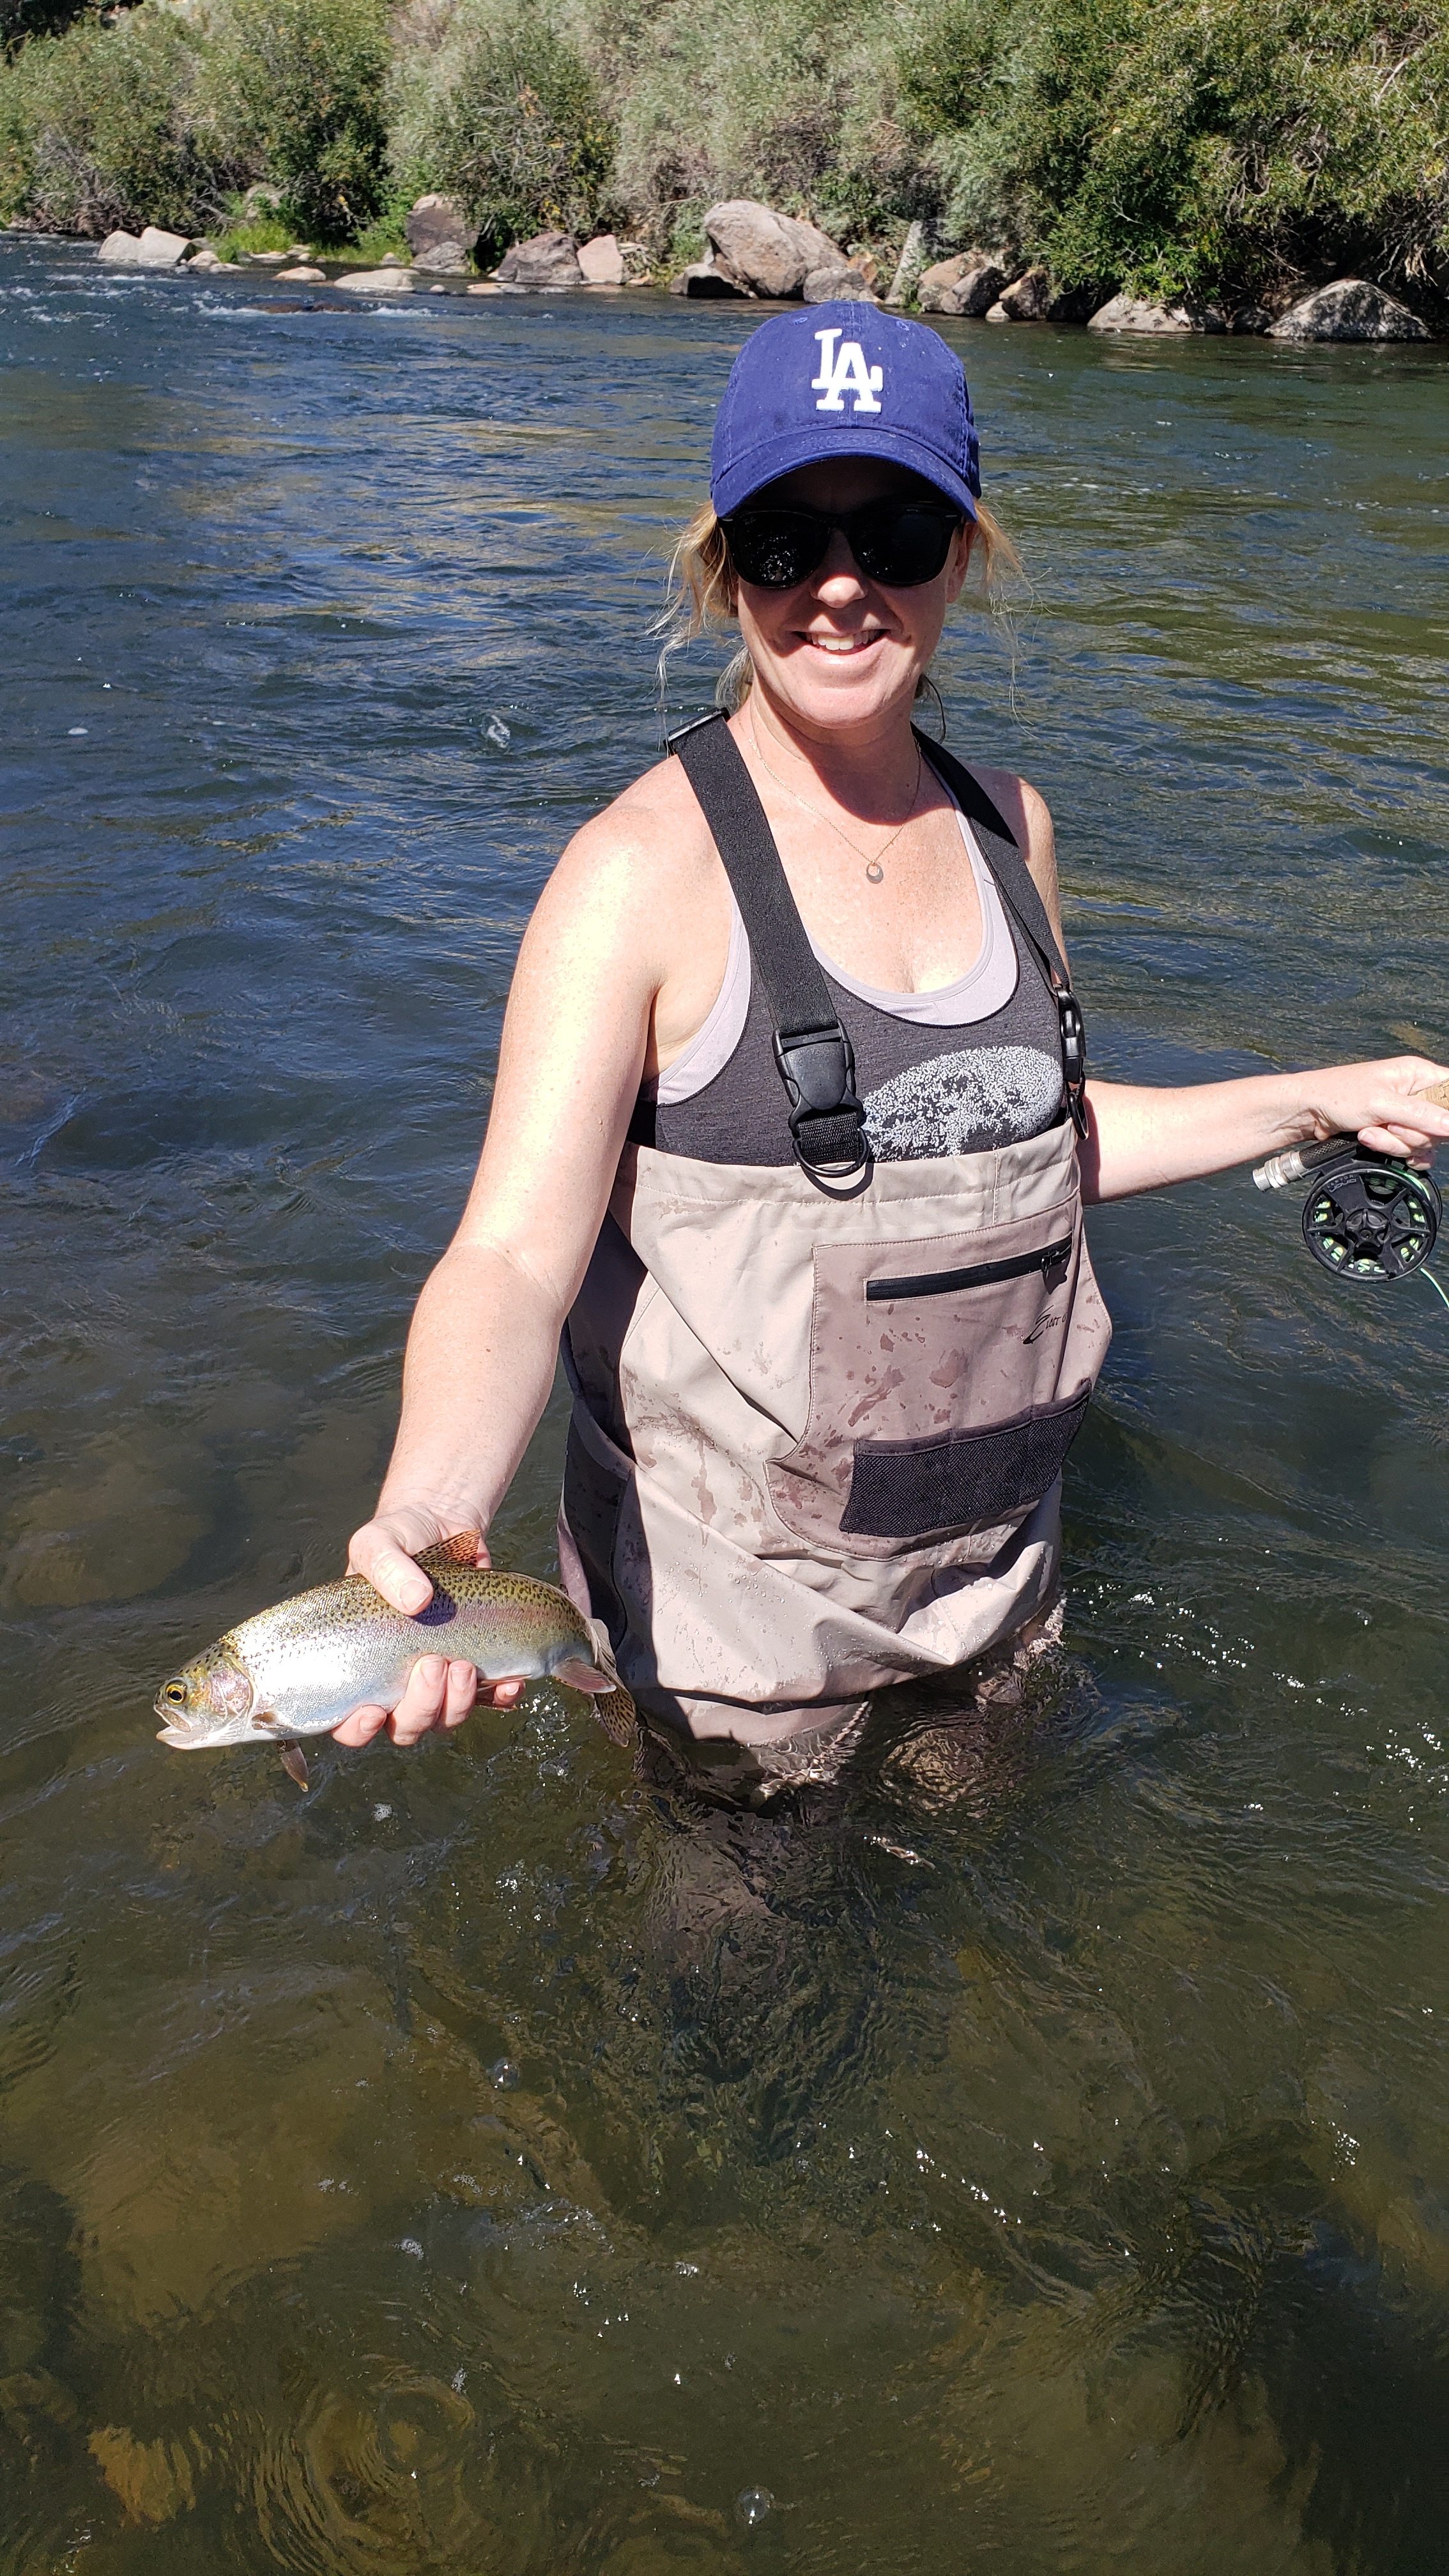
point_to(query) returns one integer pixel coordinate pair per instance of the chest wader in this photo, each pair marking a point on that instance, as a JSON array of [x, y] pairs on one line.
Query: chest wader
[[821, 1411]]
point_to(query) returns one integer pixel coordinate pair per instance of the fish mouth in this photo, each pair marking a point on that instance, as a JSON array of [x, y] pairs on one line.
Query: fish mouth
[[183, 1737]]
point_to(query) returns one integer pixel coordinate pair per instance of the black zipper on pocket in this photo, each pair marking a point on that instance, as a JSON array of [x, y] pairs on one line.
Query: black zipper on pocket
[[984, 1274]]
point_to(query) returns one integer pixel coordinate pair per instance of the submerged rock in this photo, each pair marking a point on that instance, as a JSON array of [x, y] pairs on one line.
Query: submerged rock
[[547, 259], [378, 281], [1350, 309], [441, 235], [301, 277]]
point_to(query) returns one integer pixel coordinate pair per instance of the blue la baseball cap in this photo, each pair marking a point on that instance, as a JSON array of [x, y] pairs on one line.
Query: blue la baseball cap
[[844, 379]]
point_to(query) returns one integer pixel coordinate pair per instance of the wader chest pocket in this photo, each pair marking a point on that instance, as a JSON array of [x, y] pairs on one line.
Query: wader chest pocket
[[948, 1375], [911, 1488]]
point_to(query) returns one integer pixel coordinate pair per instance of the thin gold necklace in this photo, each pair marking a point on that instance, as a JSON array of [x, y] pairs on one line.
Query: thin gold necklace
[[873, 868]]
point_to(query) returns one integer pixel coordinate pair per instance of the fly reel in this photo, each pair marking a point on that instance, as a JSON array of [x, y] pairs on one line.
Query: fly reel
[[1367, 1216]]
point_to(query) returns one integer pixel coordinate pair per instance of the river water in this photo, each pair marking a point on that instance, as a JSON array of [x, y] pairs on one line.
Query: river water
[[477, 2165]]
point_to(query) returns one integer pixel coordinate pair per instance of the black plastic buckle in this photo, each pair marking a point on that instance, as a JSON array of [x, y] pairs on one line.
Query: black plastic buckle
[[817, 1067], [1074, 1057]]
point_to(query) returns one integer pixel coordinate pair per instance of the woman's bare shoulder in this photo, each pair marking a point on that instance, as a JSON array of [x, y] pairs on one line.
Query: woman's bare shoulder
[[653, 836]]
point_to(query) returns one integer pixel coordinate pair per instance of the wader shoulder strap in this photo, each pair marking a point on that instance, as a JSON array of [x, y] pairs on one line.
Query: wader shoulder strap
[[812, 1051], [1018, 892]]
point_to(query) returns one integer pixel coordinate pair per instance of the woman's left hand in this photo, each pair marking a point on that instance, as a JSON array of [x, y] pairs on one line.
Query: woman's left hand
[[1381, 1104]]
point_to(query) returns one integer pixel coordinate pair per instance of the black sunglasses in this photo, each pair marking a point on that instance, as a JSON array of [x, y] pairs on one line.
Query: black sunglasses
[[900, 544]]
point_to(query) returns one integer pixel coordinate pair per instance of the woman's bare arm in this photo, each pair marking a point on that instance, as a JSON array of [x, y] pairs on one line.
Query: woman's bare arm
[[484, 1338]]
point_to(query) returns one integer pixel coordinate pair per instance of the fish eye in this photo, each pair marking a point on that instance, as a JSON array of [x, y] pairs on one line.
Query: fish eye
[[175, 1692]]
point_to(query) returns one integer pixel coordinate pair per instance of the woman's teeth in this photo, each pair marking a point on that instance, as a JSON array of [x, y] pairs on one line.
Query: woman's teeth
[[844, 643]]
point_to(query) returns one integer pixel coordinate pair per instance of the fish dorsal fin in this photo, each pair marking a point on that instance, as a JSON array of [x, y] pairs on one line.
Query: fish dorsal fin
[[462, 1550]]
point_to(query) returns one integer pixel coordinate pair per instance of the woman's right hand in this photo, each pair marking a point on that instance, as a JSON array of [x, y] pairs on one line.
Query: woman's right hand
[[441, 1692]]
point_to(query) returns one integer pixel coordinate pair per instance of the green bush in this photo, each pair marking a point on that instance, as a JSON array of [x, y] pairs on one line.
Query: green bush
[[510, 121], [1195, 146], [796, 104], [296, 89], [96, 129]]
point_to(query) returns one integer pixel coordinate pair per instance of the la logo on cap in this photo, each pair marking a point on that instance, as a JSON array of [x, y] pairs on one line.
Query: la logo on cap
[[843, 372]]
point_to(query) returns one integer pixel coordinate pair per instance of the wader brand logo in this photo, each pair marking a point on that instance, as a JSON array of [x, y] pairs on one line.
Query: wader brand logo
[[843, 372], [1048, 1324]]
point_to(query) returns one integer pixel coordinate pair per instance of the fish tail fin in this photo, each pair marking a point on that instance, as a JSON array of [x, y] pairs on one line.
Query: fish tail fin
[[617, 1715]]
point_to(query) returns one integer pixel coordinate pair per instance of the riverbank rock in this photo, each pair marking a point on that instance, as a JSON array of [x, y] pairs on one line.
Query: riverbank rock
[[378, 281], [149, 249], [969, 283], [304, 276], [763, 253], [440, 235], [1349, 309], [1130, 313], [263, 198], [602, 261], [546, 259], [1031, 298], [702, 278], [836, 286]]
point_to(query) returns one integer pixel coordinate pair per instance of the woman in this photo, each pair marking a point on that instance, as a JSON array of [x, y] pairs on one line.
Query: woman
[[805, 1212]]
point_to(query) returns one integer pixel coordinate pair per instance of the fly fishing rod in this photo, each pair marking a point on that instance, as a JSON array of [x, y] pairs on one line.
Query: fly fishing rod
[[1367, 1216]]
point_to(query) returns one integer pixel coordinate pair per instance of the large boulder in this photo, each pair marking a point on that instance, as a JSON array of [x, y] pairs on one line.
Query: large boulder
[[764, 253], [261, 200], [1349, 309], [969, 283], [120, 250], [440, 235], [546, 259], [602, 261]]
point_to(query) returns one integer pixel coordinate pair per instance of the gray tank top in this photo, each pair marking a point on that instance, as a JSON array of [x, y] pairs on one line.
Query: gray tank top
[[930, 1085]]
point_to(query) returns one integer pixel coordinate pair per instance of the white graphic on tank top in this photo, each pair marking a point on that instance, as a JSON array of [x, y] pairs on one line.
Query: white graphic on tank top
[[963, 1103]]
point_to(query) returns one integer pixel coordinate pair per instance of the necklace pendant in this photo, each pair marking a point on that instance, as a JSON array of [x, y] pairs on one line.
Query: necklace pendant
[[874, 871]]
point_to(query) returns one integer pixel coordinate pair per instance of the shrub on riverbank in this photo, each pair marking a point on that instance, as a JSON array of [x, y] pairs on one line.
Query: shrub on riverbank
[[295, 88], [97, 128], [1170, 148], [509, 119]]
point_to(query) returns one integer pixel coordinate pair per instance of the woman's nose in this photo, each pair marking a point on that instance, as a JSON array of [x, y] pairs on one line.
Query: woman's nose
[[838, 579]]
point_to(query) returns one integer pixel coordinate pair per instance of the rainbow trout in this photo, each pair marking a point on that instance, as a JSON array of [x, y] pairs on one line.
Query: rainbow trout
[[298, 1668]]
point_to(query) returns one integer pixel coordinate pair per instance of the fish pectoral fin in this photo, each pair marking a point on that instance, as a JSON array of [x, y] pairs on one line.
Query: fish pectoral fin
[[462, 1550], [582, 1676], [294, 1763], [265, 1717]]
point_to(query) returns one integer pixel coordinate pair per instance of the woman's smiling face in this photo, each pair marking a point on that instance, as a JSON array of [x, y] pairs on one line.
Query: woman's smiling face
[[839, 651]]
